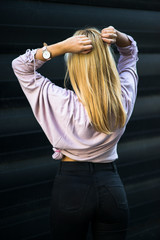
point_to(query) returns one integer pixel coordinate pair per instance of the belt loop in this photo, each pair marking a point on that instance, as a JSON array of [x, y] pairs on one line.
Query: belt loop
[[91, 167], [114, 166], [60, 168]]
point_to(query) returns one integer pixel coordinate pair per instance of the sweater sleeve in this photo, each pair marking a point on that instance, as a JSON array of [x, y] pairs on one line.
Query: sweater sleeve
[[51, 105], [128, 75]]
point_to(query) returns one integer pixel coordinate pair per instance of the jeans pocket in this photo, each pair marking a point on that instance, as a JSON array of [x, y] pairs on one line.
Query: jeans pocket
[[119, 196], [71, 193]]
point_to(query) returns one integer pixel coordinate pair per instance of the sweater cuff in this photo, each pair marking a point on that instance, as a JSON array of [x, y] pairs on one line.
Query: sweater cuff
[[29, 58]]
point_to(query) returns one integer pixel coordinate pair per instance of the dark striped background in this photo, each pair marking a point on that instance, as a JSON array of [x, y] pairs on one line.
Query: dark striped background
[[26, 167]]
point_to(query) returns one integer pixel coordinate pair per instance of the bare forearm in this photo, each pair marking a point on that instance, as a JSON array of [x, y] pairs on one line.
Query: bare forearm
[[122, 39], [55, 50]]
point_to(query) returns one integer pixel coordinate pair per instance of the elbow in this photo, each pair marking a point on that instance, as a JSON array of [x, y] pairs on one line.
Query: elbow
[[17, 66], [14, 64]]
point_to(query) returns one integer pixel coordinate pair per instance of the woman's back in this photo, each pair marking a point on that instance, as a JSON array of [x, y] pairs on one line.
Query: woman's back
[[63, 116]]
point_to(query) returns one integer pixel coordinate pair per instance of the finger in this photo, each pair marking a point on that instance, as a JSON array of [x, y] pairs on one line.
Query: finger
[[109, 41], [110, 27], [109, 35], [108, 30], [87, 42], [86, 51], [87, 48], [82, 37]]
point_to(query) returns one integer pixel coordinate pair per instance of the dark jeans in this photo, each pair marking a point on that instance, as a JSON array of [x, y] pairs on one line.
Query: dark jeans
[[88, 194]]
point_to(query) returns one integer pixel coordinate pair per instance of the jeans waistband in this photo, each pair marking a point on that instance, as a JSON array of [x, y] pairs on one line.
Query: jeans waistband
[[87, 166]]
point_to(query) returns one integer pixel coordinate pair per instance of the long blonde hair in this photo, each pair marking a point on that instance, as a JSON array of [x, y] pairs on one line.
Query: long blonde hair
[[95, 80]]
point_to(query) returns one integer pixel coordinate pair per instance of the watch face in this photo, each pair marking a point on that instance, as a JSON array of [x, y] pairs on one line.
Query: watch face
[[46, 54]]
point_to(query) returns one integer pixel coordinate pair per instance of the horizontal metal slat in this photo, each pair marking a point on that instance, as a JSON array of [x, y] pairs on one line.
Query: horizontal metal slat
[[123, 18], [37, 221], [132, 4], [149, 85], [131, 152], [18, 142], [145, 106], [147, 41], [27, 172], [145, 229], [143, 192], [17, 120]]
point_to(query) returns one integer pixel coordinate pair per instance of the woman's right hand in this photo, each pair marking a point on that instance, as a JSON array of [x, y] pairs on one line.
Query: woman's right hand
[[77, 44]]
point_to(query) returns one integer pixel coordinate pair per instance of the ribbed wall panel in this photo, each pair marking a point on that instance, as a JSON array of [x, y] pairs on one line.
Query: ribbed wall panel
[[26, 167]]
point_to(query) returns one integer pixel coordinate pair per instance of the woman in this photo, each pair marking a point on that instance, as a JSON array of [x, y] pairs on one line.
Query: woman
[[84, 127]]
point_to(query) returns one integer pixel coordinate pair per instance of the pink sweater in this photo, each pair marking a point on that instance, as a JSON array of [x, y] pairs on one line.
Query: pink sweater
[[64, 119]]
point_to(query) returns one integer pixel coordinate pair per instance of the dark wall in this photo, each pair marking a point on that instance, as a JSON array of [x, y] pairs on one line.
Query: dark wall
[[26, 167]]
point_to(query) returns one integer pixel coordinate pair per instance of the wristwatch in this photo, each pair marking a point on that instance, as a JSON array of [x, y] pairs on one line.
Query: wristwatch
[[45, 53]]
